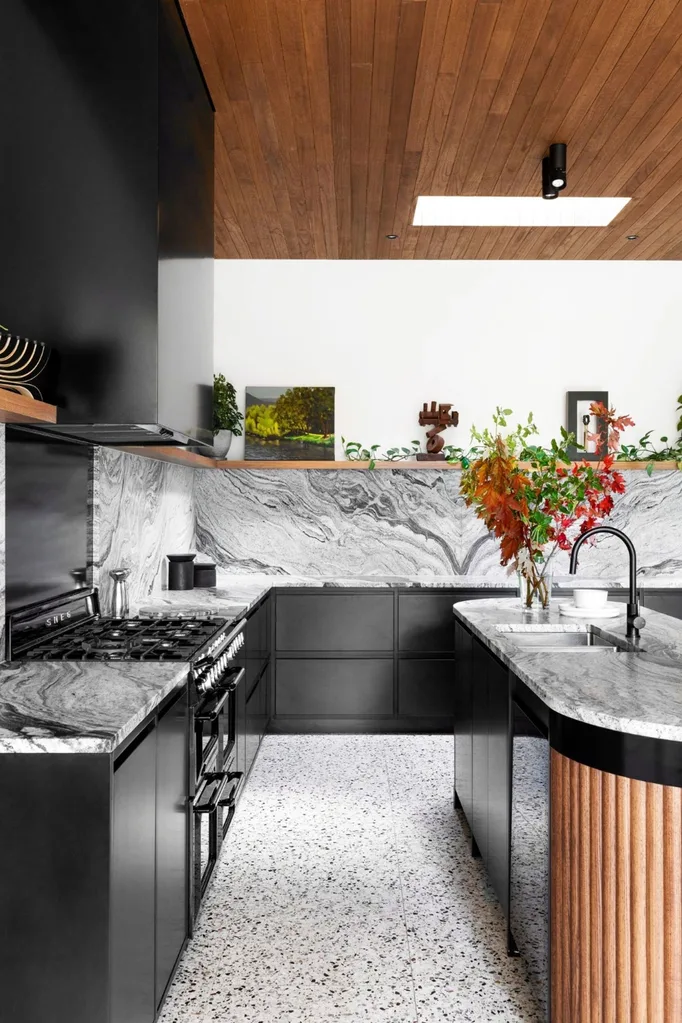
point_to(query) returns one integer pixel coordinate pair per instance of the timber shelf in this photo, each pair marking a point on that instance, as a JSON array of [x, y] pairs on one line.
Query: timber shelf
[[191, 458], [17, 408]]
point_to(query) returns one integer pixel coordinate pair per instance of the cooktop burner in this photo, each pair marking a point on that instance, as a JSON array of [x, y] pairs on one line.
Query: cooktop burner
[[132, 639]]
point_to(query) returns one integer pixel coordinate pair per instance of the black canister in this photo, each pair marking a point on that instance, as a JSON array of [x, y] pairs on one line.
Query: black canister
[[181, 571], [204, 575]]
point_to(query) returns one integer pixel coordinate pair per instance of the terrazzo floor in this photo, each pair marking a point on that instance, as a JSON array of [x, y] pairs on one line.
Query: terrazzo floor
[[346, 891]]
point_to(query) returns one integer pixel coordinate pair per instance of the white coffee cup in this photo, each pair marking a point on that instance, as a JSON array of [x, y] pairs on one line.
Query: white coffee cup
[[591, 598]]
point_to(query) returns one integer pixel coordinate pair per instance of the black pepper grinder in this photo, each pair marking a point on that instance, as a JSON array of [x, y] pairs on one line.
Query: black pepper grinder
[[181, 571]]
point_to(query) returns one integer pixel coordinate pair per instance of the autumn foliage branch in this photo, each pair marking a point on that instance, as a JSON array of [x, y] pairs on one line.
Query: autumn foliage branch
[[535, 499]]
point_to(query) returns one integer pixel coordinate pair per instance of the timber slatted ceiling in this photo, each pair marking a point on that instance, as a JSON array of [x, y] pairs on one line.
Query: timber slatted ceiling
[[334, 115]]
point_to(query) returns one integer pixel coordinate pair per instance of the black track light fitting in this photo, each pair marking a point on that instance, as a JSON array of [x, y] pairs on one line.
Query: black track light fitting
[[557, 165], [548, 190]]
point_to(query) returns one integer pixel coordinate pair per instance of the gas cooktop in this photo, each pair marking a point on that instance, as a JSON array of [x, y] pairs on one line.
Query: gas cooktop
[[128, 639]]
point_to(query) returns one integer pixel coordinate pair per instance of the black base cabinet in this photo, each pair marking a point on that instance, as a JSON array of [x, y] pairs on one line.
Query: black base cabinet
[[359, 661], [96, 914], [483, 736]]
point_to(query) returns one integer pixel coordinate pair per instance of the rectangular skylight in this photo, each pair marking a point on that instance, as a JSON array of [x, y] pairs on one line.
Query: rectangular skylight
[[515, 211]]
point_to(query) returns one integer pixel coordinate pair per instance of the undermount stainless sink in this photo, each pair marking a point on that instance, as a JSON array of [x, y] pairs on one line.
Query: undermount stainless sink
[[555, 638]]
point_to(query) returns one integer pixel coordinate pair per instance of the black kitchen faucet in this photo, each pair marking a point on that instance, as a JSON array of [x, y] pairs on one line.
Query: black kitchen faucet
[[635, 622]]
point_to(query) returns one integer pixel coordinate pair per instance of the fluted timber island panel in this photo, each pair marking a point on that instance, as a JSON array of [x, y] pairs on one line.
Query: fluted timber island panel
[[616, 897]]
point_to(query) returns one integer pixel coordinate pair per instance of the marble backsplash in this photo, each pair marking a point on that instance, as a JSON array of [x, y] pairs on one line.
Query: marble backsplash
[[142, 510], [403, 523]]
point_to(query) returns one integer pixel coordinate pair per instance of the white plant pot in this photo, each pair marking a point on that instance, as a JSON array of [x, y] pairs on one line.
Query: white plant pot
[[222, 442]]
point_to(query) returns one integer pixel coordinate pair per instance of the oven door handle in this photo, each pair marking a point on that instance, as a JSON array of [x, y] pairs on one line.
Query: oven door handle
[[221, 780], [236, 778], [211, 708], [236, 675]]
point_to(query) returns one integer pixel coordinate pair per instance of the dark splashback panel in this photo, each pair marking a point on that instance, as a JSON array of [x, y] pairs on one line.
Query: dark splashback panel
[[46, 516]]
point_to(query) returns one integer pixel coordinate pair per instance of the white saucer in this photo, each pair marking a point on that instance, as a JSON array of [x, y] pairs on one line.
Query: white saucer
[[610, 610]]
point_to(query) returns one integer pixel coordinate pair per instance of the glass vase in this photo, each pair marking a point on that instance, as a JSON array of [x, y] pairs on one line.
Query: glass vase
[[535, 586]]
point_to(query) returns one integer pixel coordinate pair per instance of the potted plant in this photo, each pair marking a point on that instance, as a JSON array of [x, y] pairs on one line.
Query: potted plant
[[535, 500], [227, 419]]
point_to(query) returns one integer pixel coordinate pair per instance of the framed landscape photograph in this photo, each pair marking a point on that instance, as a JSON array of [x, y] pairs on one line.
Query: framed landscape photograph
[[584, 425], [289, 424]]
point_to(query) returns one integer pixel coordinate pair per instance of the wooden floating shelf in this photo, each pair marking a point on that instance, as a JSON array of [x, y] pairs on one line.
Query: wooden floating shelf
[[190, 458], [17, 408], [172, 454]]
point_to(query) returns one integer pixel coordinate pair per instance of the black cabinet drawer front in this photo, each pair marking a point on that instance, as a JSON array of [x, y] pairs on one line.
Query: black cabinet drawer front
[[426, 688], [322, 688], [336, 622], [426, 621]]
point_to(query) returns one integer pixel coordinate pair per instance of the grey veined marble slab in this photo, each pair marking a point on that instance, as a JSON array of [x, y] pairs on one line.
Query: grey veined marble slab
[[403, 522], [627, 692], [79, 706]]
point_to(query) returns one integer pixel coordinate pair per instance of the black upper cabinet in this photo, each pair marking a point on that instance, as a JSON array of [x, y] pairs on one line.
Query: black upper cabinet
[[106, 206]]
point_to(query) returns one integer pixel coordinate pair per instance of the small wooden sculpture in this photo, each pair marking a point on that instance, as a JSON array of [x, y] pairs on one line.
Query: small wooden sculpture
[[438, 417]]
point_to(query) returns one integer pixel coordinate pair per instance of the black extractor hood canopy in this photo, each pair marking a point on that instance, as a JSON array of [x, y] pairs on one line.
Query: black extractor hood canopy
[[106, 206]]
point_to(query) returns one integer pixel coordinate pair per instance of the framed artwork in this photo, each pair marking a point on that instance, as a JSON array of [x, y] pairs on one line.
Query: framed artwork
[[289, 424], [584, 425]]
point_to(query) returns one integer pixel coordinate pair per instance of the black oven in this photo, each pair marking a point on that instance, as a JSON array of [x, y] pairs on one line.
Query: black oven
[[217, 680]]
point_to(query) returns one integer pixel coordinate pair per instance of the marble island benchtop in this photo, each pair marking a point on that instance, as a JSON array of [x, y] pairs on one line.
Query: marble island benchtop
[[638, 693], [88, 707]]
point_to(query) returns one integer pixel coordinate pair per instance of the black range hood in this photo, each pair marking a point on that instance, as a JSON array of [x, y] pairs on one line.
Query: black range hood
[[106, 206]]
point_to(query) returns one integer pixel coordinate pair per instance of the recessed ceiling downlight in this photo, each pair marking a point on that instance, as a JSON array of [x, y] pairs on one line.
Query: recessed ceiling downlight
[[515, 211]]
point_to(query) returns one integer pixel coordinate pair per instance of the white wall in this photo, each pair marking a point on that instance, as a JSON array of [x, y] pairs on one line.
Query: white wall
[[390, 335]]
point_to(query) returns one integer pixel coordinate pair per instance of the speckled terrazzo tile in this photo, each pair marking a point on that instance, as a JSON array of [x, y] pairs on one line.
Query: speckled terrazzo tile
[[345, 893]]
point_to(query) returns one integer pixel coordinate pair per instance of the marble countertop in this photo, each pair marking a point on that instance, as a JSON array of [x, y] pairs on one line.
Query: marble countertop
[[638, 693], [235, 594], [79, 706]]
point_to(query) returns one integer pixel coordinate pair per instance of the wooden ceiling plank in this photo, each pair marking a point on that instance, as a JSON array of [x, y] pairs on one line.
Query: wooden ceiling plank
[[524, 158], [317, 58], [434, 34], [225, 212], [362, 13], [407, 53], [597, 49], [290, 22], [496, 174], [224, 241], [468, 79], [452, 54], [504, 33], [645, 141], [277, 87], [627, 96], [338, 28], [270, 156], [232, 168], [628, 26], [438, 238], [386, 25], [193, 13], [225, 46], [533, 18]]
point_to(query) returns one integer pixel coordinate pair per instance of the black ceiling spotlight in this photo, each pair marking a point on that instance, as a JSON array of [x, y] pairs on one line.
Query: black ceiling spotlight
[[548, 189], [554, 171]]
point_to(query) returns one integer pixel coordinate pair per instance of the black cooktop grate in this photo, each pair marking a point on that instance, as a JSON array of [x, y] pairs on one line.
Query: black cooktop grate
[[135, 639]]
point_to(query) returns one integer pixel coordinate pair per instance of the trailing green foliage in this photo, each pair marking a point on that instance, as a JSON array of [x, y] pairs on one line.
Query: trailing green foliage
[[226, 415]]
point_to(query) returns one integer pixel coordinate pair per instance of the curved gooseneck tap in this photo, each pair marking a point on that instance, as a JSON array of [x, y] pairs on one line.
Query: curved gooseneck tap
[[635, 622]]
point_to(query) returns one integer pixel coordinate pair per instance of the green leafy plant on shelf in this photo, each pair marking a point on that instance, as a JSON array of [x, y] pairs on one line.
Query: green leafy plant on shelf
[[226, 415], [646, 450], [356, 452]]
